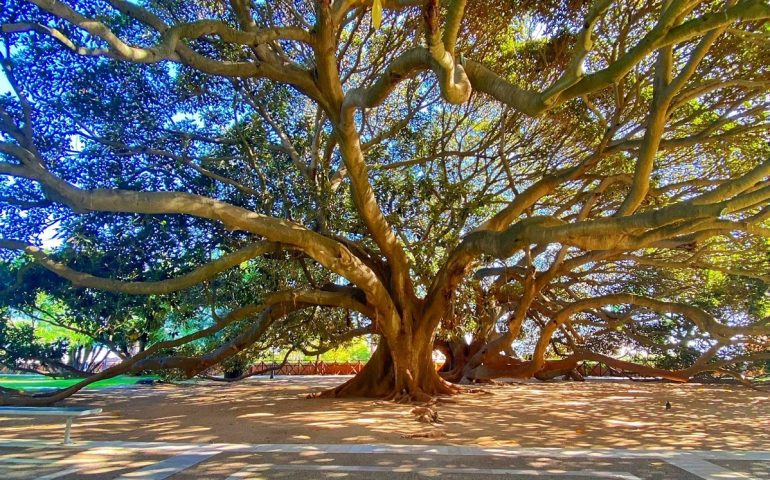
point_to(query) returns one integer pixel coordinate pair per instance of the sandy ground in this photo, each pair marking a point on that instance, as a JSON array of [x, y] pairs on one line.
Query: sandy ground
[[559, 414]]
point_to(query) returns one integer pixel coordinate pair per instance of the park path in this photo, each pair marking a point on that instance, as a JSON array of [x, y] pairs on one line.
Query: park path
[[22, 459]]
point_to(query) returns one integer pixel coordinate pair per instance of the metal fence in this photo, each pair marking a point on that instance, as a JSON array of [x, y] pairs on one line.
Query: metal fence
[[591, 369], [312, 368]]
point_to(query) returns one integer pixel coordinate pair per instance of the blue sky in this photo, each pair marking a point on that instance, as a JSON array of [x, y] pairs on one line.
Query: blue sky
[[4, 87]]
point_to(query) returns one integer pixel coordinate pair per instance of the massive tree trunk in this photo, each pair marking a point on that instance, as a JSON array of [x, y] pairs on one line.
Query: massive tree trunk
[[400, 370]]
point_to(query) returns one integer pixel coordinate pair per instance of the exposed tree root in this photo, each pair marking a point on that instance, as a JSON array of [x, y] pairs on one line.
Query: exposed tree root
[[479, 391], [410, 397], [404, 396], [428, 434], [425, 414], [443, 400]]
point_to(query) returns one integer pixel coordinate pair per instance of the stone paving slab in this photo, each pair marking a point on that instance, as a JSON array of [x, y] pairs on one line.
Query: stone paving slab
[[319, 462], [72, 463], [756, 470], [45, 460]]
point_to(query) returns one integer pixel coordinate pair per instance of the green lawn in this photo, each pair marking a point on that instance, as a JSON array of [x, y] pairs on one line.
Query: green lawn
[[26, 382]]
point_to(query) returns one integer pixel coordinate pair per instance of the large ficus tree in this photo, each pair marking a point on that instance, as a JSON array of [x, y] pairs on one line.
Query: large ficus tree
[[509, 169]]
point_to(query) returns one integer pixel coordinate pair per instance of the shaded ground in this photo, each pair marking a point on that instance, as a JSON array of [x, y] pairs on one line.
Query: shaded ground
[[567, 414], [425, 466], [99, 463]]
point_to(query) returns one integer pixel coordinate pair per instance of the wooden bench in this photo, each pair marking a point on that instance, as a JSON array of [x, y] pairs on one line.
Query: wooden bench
[[68, 412]]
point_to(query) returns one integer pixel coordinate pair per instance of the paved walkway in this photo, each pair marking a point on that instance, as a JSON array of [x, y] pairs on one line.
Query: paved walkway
[[46, 460]]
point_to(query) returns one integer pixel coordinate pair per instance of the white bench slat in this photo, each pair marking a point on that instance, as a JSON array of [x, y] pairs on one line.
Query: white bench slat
[[69, 412], [51, 411]]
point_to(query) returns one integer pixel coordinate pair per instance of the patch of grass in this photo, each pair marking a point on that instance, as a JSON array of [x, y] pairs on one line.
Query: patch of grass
[[31, 382]]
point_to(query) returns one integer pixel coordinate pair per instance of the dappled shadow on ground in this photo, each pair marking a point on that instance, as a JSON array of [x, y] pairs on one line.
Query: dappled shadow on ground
[[312, 464], [66, 463], [559, 414]]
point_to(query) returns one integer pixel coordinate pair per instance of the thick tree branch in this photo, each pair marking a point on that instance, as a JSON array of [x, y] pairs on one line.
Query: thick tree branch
[[162, 287]]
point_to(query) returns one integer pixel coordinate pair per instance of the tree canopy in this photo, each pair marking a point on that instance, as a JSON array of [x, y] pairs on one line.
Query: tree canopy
[[522, 185]]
